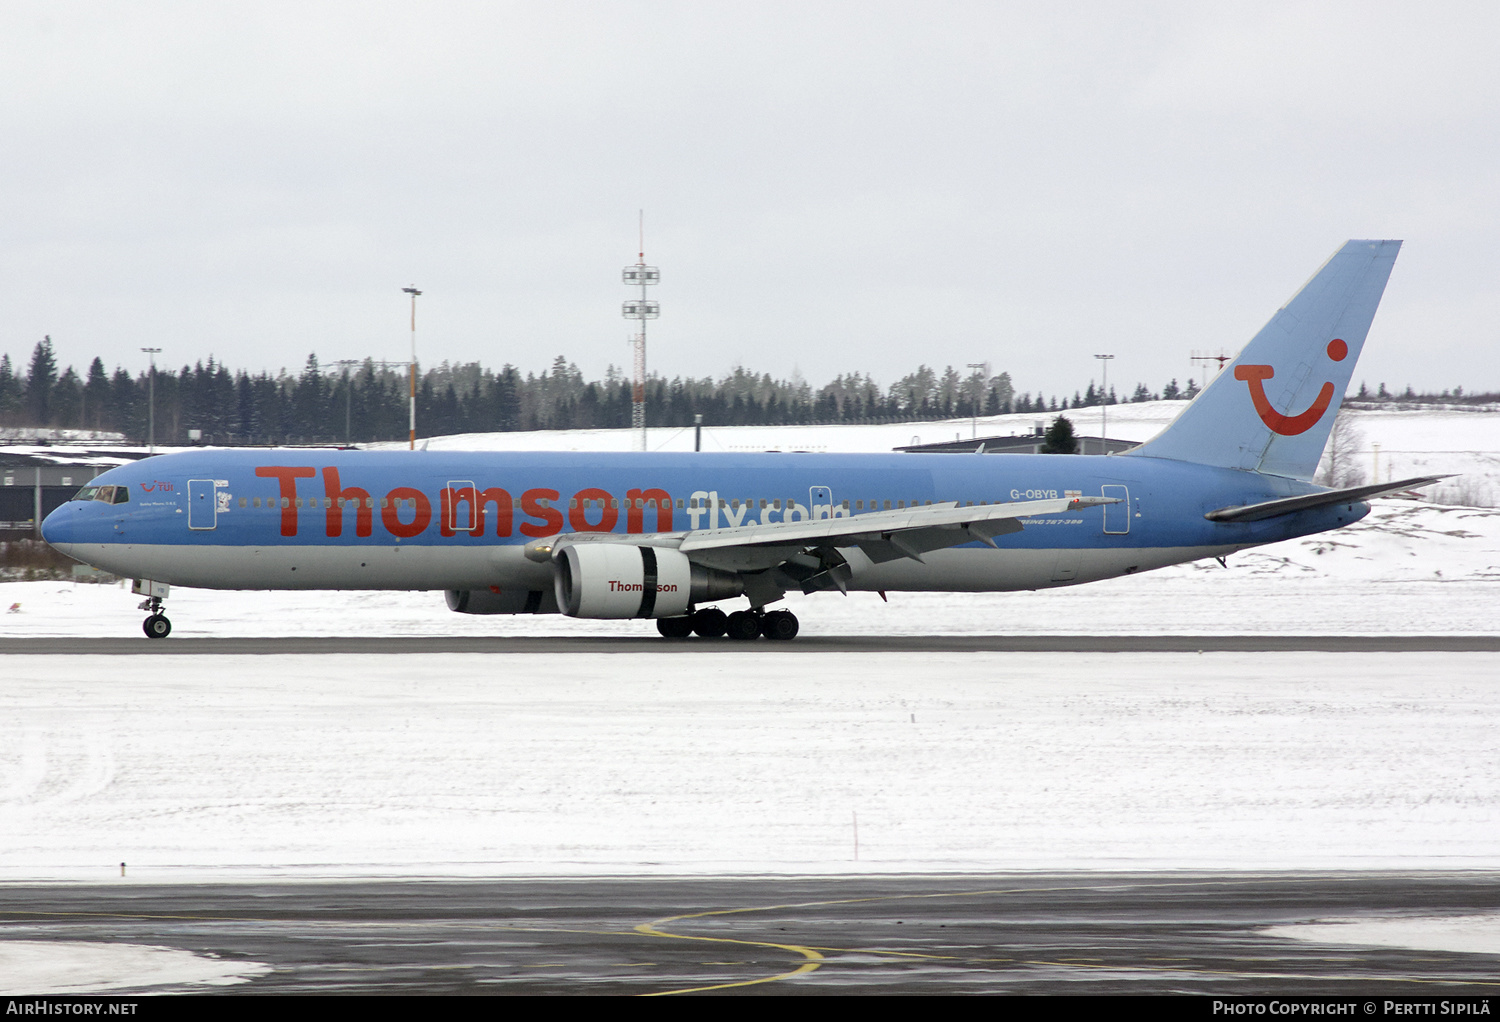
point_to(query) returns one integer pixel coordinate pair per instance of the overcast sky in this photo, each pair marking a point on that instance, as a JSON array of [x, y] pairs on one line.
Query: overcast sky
[[827, 187]]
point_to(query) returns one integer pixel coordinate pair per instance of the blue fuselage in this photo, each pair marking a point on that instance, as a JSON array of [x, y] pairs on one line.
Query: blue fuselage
[[297, 519]]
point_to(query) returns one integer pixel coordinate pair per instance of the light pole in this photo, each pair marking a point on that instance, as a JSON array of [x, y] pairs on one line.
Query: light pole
[[1104, 402], [413, 374], [641, 309], [984, 367], [151, 400]]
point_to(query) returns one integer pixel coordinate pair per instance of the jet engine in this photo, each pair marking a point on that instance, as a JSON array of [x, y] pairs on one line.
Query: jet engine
[[616, 580]]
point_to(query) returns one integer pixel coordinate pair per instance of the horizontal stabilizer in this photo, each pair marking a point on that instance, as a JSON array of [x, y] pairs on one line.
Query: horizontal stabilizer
[[1328, 498]]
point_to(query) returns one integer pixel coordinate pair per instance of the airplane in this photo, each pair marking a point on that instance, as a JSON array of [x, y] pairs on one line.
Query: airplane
[[669, 536]]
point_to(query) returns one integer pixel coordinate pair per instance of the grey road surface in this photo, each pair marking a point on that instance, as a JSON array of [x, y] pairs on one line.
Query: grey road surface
[[1034, 933]]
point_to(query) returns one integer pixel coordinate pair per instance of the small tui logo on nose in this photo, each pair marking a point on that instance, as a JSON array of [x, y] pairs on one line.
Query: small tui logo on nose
[[1289, 425]]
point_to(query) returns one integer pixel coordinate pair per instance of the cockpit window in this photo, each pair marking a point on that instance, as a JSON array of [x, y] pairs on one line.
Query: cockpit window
[[104, 494]]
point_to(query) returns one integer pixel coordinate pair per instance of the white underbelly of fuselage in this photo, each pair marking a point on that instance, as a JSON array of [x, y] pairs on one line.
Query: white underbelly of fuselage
[[965, 569]]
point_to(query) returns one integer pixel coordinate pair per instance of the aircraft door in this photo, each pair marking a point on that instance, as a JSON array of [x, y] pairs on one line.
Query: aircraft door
[[203, 504], [1116, 516], [819, 502], [461, 513]]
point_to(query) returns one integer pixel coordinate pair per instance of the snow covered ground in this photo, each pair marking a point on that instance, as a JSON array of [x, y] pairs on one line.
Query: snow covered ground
[[75, 968], [468, 764], [729, 727], [1477, 934]]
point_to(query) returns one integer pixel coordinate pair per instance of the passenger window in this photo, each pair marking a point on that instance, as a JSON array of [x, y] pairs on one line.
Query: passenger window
[[286, 502], [243, 502], [679, 503]]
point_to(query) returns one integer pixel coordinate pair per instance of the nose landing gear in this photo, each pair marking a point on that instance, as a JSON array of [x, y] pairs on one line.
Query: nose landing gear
[[156, 626]]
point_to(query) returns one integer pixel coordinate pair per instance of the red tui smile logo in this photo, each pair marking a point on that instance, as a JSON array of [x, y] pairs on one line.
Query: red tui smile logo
[[1289, 425]]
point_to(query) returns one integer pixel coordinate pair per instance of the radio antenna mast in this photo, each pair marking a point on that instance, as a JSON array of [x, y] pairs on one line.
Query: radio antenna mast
[[1206, 358], [640, 309]]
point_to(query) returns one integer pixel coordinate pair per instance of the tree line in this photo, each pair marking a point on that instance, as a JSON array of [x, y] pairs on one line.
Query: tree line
[[368, 401]]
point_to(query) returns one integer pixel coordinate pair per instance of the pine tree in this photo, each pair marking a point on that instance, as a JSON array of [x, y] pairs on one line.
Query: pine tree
[[96, 395], [11, 391], [40, 381], [1060, 438]]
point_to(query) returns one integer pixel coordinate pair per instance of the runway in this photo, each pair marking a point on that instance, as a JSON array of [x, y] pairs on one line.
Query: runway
[[1034, 933], [655, 645]]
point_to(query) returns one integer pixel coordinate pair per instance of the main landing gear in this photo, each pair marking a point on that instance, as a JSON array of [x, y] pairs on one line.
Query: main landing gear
[[743, 625], [156, 626]]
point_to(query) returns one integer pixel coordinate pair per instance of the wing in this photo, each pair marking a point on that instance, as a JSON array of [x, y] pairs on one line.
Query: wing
[[824, 553]]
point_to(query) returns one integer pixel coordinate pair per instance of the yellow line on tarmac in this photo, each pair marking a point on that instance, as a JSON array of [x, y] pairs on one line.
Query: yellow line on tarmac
[[813, 958]]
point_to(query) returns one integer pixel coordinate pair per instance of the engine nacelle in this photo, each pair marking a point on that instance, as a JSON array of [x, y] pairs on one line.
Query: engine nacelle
[[617, 580]]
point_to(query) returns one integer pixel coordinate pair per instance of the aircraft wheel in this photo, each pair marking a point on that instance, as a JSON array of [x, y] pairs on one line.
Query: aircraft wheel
[[743, 625], [674, 627], [779, 624], [710, 622], [157, 626]]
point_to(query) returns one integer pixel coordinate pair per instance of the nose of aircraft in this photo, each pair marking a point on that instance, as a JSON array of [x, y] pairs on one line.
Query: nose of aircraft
[[57, 528]]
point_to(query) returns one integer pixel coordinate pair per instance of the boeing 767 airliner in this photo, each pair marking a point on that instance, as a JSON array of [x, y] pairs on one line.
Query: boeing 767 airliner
[[668, 536]]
